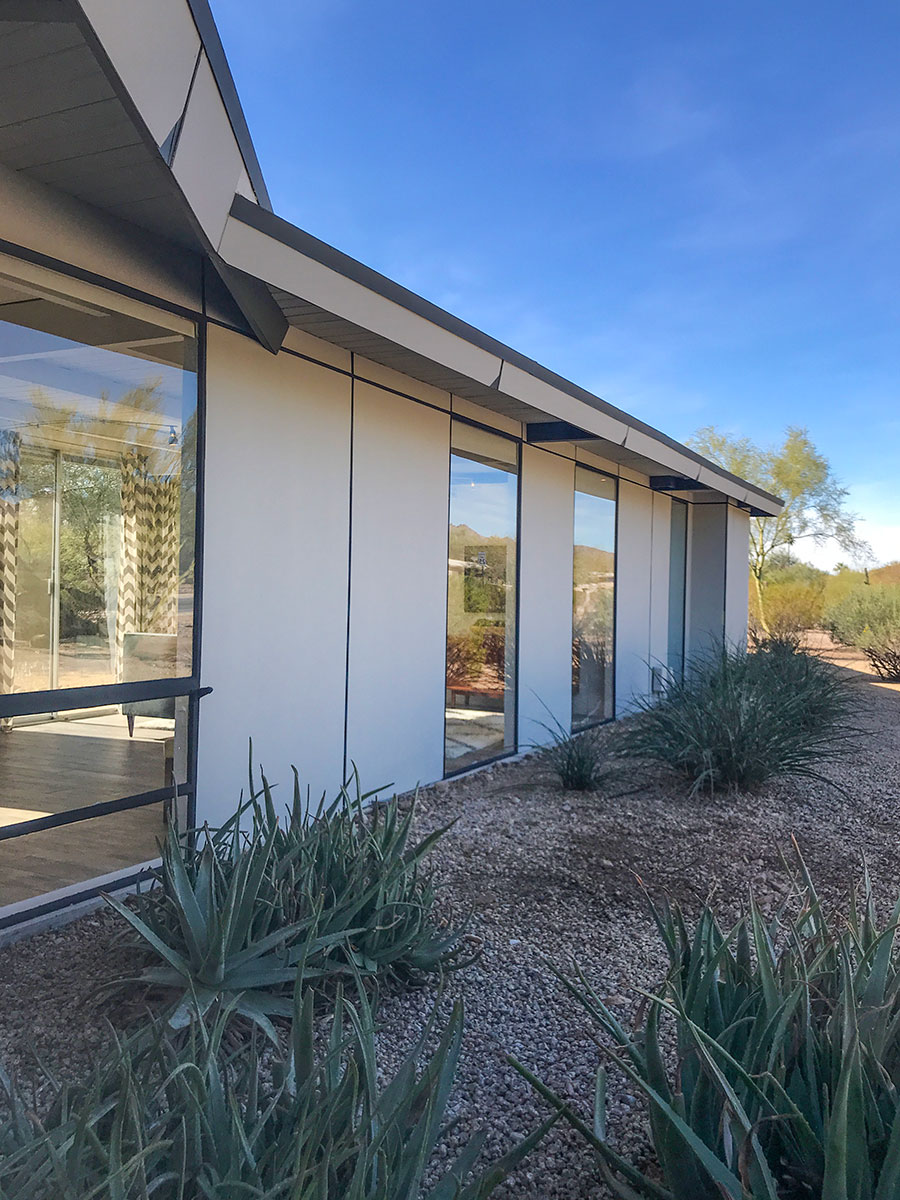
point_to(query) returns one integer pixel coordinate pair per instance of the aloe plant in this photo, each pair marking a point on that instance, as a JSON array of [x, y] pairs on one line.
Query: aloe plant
[[181, 1117], [784, 1081], [331, 892]]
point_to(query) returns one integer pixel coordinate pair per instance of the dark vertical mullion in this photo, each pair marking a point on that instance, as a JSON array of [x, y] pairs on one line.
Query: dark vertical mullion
[[193, 755]]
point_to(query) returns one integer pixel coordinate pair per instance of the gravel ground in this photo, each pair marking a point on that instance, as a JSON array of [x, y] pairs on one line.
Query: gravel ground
[[551, 877]]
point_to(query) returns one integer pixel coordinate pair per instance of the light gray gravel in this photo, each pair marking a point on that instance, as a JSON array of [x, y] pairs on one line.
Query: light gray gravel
[[550, 875]]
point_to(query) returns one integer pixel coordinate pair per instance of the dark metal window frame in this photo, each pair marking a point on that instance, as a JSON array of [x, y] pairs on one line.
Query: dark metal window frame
[[518, 442], [584, 726], [94, 696]]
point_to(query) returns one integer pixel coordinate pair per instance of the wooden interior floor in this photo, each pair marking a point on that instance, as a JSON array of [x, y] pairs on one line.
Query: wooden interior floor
[[55, 767]]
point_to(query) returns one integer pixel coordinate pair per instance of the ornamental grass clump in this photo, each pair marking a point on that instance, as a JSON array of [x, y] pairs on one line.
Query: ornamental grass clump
[[333, 892], [737, 720], [183, 1117], [769, 1058], [579, 760]]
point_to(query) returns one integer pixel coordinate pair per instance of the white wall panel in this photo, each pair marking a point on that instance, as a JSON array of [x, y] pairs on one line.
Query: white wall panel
[[545, 596], [659, 579], [275, 577], [737, 576], [634, 552], [398, 590]]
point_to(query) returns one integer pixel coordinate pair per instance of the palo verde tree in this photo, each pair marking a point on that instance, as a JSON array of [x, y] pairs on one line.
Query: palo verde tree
[[814, 500]]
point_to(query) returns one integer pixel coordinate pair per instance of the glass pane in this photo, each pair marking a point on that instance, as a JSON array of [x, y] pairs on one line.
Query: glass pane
[[51, 765], [97, 486], [481, 599], [593, 598], [677, 579], [37, 863]]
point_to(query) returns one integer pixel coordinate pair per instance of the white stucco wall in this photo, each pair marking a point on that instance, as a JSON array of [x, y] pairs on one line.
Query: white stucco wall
[[737, 575], [545, 597], [275, 570], [398, 593], [633, 609]]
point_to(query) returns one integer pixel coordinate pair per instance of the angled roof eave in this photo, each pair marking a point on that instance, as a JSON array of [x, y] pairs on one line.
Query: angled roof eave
[[488, 362]]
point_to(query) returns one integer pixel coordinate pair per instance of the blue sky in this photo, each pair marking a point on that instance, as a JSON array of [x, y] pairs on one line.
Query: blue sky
[[691, 210]]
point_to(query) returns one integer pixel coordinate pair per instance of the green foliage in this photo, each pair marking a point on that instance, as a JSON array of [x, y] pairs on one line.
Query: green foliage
[[814, 500], [325, 893], [579, 760], [791, 606], [784, 1079], [186, 1118], [865, 615], [869, 618], [737, 720]]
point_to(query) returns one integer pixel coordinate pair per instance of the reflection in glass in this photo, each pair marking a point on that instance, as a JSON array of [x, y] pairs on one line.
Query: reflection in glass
[[677, 578], [52, 766], [97, 486], [481, 598], [593, 598]]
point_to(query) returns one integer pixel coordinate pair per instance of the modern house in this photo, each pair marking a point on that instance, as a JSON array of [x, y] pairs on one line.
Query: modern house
[[251, 488]]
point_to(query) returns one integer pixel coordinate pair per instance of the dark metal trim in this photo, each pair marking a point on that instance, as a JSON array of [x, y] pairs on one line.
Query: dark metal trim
[[23, 704], [101, 281], [289, 235], [36, 911], [266, 320], [677, 483], [90, 812], [557, 431]]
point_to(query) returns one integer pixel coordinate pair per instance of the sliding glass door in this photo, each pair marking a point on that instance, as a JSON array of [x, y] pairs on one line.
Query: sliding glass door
[[98, 458], [482, 567]]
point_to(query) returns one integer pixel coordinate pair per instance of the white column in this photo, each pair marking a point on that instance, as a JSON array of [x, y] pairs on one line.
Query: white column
[[545, 593]]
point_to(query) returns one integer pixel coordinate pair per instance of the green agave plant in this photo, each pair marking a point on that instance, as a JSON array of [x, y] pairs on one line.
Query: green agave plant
[[330, 892], [179, 1117], [783, 1082]]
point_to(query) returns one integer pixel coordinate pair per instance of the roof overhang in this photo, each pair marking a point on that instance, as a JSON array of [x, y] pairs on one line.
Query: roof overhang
[[130, 107], [332, 296]]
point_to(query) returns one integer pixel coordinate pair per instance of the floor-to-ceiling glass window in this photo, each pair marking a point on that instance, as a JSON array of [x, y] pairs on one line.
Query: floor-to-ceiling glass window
[[98, 437], [593, 598], [481, 597], [677, 588]]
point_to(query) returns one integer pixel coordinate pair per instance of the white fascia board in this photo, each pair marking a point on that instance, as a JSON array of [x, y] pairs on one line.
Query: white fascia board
[[660, 452], [286, 268], [546, 398]]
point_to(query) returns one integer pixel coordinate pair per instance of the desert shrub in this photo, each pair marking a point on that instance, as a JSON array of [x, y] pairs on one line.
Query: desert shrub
[[185, 1117], [579, 760], [737, 720], [335, 891], [793, 605], [769, 1057], [864, 616], [869, 618], [884, 655]]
